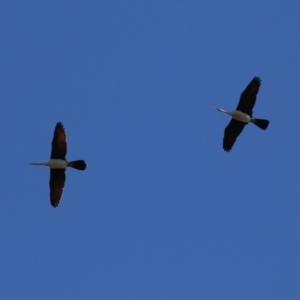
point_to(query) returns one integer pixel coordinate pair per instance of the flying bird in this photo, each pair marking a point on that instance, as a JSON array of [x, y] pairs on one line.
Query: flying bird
[[58, 164], [243, 115]]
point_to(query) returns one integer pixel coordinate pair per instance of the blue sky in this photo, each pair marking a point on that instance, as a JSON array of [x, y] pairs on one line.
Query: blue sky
[[161, 212]]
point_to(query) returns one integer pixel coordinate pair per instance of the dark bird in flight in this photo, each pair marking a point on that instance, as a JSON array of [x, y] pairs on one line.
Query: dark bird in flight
[[58, 164], [243, 115]]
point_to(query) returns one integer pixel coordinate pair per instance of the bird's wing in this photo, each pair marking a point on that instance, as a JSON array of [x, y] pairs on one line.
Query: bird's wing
[[59, 144], [248, 96], [56, 183], [232, 131]]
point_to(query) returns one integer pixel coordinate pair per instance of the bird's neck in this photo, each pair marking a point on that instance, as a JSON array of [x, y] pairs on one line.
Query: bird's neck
[[39, 164]]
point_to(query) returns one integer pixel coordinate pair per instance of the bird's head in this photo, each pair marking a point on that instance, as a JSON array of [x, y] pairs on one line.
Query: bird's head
[[220, 109]]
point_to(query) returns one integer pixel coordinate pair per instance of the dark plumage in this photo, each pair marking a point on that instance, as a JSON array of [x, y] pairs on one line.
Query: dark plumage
[[232, 131], [248, 96], [58, 164], [245, 105], [56, 183], [59, 142], [58, 176]]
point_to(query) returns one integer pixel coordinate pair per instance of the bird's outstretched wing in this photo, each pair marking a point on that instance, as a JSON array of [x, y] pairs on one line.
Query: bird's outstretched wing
[[59, 144], [232, 131], [56, 183], [248, 96]]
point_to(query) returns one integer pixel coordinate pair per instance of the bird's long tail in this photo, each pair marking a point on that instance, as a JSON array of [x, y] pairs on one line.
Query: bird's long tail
[[261, 123], [77, 164]]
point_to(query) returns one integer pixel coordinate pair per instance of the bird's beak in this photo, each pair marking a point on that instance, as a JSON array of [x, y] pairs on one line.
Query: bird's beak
[[220, 109]]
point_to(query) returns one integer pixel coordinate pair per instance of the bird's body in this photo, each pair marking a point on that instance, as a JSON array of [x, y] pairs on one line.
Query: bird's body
[[237, 115], [243, 115], [58, 164]]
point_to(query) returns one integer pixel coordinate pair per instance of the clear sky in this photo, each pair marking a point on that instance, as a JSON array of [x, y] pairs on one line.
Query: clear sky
[[161, 212]]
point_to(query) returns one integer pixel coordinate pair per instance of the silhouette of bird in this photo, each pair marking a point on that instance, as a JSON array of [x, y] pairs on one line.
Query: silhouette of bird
[[243, 114], [58, 164]]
